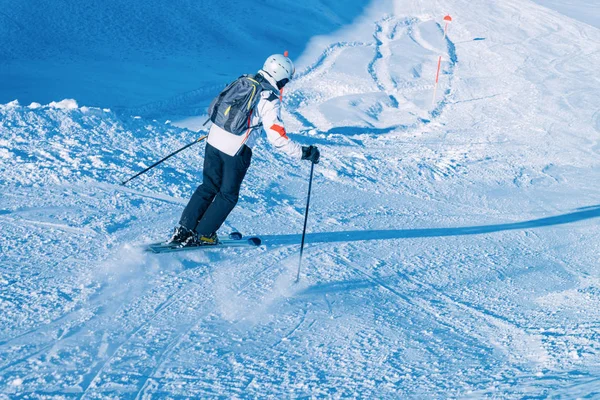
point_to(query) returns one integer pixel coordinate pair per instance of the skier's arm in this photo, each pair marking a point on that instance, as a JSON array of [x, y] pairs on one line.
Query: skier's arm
[[269, 110]]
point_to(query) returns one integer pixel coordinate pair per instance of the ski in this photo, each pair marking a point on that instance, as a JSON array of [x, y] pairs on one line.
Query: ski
[[223, 242]]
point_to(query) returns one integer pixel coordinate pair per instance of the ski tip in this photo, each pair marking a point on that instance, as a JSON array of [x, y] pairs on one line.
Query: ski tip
[[235, 236], [255, 241], [152, 249]]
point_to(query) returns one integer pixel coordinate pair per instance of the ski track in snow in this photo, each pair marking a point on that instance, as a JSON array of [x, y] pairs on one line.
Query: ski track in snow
[[386, 32], [452, 248]]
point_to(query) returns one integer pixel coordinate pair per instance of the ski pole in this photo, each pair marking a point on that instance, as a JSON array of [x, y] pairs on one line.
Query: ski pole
[[312, 168], [166, 158]]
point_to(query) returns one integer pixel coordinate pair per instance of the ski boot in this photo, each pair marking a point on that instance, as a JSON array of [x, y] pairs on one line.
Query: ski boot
[[183, 237]]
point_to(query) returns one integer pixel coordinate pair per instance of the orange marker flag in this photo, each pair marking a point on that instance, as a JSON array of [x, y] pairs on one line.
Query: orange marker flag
[[447, 19]]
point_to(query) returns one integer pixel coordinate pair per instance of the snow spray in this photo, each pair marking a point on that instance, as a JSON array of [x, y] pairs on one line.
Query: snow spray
[[447, 20]]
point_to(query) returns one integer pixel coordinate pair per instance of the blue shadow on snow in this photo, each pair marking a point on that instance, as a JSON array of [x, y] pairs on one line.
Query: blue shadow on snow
[[355, 236]]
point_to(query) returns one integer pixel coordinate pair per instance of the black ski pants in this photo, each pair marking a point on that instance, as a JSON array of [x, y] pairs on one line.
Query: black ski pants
[[212, 201]]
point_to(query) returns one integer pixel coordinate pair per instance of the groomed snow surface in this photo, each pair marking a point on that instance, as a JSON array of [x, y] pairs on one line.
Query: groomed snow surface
[[452, 249]]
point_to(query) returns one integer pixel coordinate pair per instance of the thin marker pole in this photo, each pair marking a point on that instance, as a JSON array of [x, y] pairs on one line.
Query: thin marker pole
[[437, 78], [447, 19]]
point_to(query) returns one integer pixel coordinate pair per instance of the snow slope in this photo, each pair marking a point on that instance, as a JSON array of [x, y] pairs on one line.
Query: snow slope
[[149, 56], [587, 11], [452, 249]]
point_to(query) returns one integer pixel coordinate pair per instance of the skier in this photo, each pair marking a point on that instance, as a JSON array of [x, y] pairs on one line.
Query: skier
[[228, 151]]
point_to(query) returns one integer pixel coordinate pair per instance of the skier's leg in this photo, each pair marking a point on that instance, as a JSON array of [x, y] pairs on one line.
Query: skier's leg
[[212, 176], [234, 171]]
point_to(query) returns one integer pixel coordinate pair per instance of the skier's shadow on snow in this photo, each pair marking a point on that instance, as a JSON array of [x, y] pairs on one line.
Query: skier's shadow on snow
[[353, 236], [341, 287]]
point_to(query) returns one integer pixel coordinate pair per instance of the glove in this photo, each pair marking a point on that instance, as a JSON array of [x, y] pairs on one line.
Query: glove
[[311, 153]]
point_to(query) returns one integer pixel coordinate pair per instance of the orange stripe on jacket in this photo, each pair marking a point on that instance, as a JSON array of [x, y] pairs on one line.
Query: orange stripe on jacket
[[280, 129]]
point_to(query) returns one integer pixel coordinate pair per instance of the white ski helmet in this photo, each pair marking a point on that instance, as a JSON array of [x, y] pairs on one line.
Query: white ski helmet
[[280, 68]]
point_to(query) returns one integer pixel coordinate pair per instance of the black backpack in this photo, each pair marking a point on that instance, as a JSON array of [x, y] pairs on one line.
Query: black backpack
[[232, 109]]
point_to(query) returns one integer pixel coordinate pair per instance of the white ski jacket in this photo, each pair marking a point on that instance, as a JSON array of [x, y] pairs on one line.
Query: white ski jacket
[[267, 112]]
